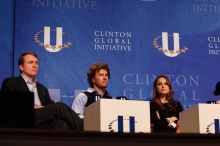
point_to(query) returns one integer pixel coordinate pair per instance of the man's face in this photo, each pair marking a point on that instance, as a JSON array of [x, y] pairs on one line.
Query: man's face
[[101, 79], [30, 66]]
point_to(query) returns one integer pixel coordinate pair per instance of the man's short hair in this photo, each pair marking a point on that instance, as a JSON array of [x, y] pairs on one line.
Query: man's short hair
[[93, 69], [21, 57]]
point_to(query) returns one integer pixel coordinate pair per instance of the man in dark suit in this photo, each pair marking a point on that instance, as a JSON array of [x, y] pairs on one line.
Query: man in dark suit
[[48, 115]]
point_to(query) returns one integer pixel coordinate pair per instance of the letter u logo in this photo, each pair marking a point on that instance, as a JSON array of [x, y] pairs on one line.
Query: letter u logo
[[121, 124], [59, 39], [216, 122], [176, 44]]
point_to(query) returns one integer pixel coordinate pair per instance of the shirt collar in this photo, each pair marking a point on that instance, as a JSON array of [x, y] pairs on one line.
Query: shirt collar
[[90, 90], [27, 80]]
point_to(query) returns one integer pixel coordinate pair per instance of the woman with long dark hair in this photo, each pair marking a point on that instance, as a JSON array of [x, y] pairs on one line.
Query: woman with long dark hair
[[164, 109]]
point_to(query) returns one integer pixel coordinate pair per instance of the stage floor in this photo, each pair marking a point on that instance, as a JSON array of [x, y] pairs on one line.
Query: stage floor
[[24, 137]]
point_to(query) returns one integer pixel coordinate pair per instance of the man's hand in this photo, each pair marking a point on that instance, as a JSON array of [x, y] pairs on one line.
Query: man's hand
[[38, 106]]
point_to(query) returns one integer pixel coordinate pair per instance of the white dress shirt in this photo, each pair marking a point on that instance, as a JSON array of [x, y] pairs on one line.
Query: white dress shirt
[[32, 86]]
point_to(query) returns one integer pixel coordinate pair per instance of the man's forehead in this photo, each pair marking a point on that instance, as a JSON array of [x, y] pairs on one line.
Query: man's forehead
[[102, 71], [30, 57]]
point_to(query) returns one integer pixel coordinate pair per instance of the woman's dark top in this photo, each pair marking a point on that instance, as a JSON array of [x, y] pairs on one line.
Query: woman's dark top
[[160, 124]]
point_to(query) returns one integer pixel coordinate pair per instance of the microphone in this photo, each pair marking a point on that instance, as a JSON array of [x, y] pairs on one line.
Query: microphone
[[97, 97], [211, 102], [122, 98]]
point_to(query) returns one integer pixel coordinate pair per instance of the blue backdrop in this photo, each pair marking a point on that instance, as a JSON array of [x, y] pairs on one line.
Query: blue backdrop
[[6, 38], [139, 39]]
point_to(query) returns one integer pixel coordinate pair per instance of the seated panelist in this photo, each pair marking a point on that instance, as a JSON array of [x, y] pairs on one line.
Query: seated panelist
[[48, 115], [98, 76], [164, 110]]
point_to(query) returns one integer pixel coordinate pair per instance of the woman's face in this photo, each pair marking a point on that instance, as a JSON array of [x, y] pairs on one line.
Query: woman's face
[[162, 86]]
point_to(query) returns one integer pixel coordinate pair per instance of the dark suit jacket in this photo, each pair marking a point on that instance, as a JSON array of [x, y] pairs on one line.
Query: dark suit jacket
[[19, 84]]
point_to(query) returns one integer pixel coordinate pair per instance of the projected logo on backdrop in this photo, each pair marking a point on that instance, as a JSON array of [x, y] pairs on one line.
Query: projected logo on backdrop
[[214, 45], [206, 6], [164, 44], [138, 86], [46, 37], [80, 4], [112, 40]]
